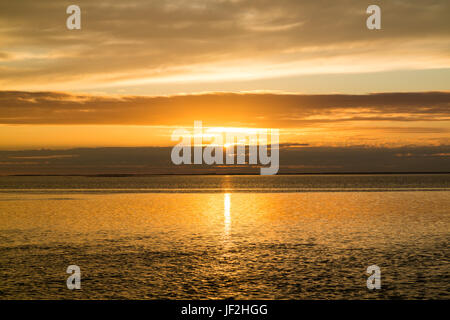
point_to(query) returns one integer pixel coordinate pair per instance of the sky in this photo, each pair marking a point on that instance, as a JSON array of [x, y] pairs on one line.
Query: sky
[[137, 70], [190, 46]]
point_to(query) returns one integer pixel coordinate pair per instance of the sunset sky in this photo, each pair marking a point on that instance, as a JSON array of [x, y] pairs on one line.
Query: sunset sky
[[139, 69]]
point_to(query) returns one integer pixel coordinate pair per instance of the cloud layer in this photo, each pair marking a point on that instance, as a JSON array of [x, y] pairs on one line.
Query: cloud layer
[[292, 160], [221, 109], [156, 42], [63, 120]]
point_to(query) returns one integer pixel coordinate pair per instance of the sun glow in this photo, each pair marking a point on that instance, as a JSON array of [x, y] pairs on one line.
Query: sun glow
[[217, 136]]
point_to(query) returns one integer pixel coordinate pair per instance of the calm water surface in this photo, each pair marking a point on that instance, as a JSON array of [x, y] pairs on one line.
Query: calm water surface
[[242, 237]]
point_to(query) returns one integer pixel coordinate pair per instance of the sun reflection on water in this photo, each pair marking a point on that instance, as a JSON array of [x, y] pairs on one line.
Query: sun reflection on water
[[227, 213]]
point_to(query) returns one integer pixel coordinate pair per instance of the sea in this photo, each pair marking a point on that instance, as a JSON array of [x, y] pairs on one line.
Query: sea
[[226, 236]]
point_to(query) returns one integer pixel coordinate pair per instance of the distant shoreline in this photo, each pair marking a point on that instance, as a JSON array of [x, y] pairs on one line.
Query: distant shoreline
[[119, 175]]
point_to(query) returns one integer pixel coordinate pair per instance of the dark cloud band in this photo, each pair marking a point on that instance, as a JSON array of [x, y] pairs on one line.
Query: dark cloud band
[[221, 109]]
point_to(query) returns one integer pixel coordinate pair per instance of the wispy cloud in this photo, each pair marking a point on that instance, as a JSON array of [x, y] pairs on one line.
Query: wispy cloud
[[166, 42]]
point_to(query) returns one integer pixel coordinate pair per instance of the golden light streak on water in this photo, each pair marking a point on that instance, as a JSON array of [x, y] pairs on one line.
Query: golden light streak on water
[[227, 213]]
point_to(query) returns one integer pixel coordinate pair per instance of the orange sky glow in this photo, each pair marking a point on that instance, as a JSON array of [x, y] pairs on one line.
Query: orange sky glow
[[136, 72]]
